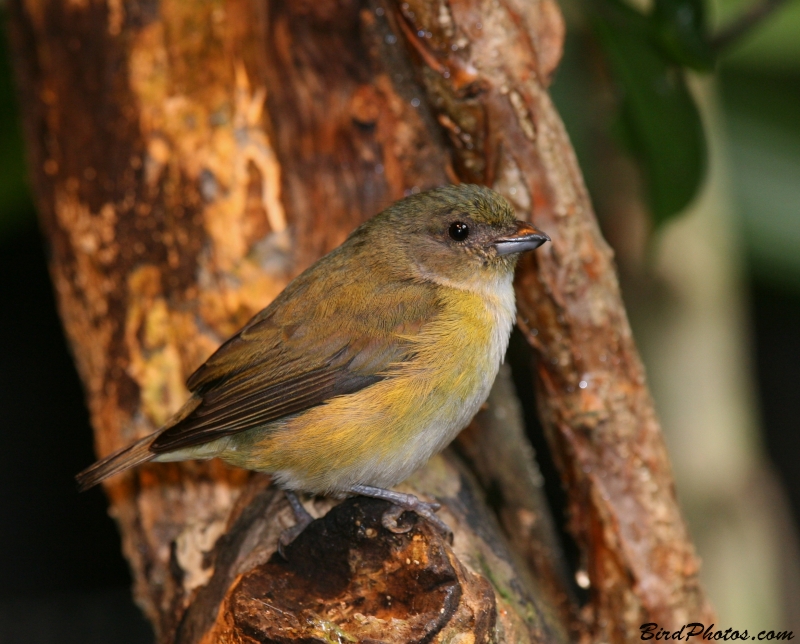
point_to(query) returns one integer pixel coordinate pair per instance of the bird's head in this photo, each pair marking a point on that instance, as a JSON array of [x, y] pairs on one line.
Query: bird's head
[[456, 235]]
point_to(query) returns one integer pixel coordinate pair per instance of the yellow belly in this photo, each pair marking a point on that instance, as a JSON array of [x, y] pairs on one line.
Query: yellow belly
[[380, 435]]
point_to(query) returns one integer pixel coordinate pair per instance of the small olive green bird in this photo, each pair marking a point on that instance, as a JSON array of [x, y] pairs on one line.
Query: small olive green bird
[[367, 364]]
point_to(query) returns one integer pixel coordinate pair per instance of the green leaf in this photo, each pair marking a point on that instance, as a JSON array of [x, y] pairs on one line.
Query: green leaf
[[681, 30], [659, 117]]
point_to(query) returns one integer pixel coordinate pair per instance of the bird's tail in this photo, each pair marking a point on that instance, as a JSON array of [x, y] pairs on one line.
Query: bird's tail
[[115, 463]]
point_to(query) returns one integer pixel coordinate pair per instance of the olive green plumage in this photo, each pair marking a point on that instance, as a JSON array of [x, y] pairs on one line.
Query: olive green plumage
[[368, 362]]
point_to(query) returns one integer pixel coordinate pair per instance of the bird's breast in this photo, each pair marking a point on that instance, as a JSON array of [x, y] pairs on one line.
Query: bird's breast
[[381, 434]]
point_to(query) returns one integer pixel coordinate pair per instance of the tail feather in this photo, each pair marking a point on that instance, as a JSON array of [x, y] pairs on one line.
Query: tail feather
[[115, 463]]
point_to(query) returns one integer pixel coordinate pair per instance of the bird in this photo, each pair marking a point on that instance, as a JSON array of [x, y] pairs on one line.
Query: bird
[[366, 365]]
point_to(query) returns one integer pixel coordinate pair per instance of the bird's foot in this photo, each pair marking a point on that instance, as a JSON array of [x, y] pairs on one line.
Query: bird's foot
[[302, 518], [404, 503]]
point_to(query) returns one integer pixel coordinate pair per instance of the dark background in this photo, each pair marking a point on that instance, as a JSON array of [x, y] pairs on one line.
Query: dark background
[[62, 577]]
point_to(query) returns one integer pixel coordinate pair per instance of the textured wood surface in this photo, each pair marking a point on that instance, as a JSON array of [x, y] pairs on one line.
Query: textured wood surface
[[189, 158]]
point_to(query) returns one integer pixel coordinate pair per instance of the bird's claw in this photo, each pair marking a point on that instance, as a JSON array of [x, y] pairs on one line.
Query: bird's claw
[[390, 517], [287, 536], [425, 510], [400, 503], [302, 518]]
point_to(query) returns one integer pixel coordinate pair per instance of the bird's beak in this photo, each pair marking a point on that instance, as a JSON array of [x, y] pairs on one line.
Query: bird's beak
[[525, 238]]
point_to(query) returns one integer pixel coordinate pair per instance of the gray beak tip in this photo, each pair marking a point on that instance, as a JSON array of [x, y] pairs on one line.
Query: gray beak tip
[[525, 238]]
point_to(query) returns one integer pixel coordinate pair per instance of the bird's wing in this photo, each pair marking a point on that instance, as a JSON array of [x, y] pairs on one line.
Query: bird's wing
[[276, 366]]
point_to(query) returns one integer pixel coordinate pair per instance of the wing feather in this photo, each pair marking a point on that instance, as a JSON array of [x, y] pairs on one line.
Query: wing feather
[[276, 367], [210, 422]]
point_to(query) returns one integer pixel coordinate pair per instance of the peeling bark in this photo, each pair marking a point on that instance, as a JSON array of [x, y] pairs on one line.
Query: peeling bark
[[189, 158], [148, 281]]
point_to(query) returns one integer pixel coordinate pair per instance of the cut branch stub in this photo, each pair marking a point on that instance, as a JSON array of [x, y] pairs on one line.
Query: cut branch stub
[[347, 578]]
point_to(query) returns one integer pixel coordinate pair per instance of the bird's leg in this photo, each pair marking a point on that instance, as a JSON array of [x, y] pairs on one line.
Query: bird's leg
[[302, 517], [403, 502]]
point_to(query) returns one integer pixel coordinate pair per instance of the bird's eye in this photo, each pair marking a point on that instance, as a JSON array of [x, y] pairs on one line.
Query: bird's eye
[[459, 231]]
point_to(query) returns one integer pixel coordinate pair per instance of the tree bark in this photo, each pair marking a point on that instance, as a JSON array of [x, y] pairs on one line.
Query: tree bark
[[486, 66], [189, 158]]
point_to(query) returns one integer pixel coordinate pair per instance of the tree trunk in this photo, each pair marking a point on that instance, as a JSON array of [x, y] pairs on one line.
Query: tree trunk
[[189, 158]]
